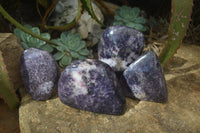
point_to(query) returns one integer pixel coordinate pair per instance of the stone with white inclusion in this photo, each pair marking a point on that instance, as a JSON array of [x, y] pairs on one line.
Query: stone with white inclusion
[[91, 85], [39, 72], [146, 79], [120, 46]]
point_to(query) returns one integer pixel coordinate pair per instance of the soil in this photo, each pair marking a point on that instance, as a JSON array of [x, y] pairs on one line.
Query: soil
[[9, 119]]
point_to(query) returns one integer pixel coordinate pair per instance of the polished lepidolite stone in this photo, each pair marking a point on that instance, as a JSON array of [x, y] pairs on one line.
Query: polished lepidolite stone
[[39, 72], [91, 85], [145, 78], [120, 46], [125, 88]]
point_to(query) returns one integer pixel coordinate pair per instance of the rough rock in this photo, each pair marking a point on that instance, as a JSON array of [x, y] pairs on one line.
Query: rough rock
[[12, 49], [181, 114], [93, 86], [146, 79], [39, 72], [120, 46]]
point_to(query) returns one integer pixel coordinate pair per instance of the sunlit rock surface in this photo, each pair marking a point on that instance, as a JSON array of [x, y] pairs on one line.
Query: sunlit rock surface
[[93, 86], [181, 113], [146, 79], [120, 46], [39, 72]]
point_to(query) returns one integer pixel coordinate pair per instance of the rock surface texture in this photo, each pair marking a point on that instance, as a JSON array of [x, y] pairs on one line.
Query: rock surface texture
[[146, 79], [120, 46], [181, 114], [91, 85], [39, 73], [12, 49]]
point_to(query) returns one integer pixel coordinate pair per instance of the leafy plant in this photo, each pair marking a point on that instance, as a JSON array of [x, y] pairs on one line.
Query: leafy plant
[[129, 17], [6, 87], [181, 14], [30, 41], [82, 5], [70, 47]]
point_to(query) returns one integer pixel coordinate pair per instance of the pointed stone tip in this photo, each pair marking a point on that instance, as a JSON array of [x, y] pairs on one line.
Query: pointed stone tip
[[119, 46], [146, 79]]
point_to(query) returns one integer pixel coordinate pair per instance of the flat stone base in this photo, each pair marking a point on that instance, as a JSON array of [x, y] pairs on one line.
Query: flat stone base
[[181, 114]]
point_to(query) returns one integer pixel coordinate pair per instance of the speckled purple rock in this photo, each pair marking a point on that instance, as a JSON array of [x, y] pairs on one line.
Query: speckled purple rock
[[39, 72], [120, 46], [145, 78], [91, 85], [125, 88]]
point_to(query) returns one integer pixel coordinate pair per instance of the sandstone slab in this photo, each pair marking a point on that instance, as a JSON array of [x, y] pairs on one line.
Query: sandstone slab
[[181, 114]]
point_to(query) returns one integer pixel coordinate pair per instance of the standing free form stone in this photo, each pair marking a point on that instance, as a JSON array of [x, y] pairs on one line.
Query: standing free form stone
[[120, 46], [39, 72], [146, 79], [93, 86]]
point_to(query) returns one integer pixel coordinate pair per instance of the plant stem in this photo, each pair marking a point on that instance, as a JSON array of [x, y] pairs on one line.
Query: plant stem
[[18, 25]]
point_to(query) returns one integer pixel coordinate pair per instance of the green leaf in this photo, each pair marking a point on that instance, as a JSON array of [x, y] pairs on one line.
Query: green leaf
[[58, 42], [84, 52], [136, 11], [58, 55], [33, 40], [177, 29], [74, 54], [60, 64], [135, 26], [60, 48], [18, 32], [25, 37], [47, 48], [73, 45], [45, 35], [140, 20], [81, 57], [81, 46], [25, 45], [118, 23], [35, 45], [63, 37], [35, 30], [66, 60], [118, 18]]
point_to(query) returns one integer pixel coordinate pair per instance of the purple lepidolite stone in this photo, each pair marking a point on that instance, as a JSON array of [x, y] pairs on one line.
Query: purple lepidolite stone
[[145, 78], [93, 86], [39, 72], [120, 46]]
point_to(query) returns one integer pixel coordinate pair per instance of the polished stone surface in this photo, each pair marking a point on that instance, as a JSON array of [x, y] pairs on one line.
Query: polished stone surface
[[39, 72], [120, 46], [146, 79], [93, 86]]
